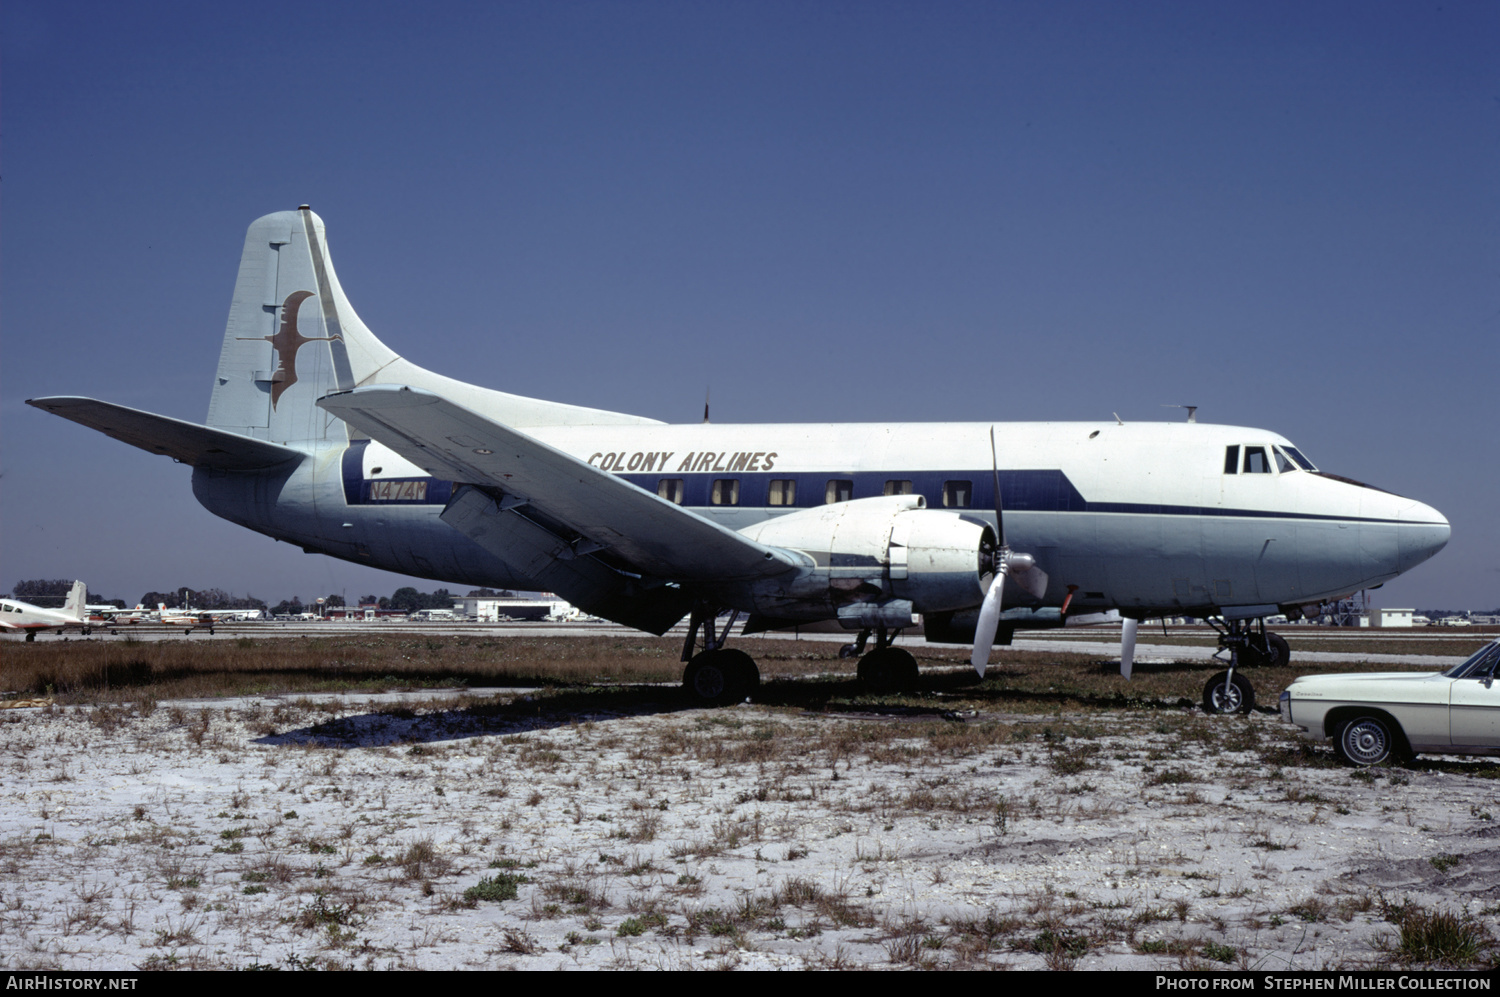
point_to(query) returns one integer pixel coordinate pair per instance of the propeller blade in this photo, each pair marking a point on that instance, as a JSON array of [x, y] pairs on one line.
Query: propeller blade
[[989, 622], [999, 506], [1033, 580], [1127, 646]]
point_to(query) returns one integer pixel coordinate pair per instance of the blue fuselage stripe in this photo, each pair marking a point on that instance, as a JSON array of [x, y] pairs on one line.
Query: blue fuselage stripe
[[1024, 491]]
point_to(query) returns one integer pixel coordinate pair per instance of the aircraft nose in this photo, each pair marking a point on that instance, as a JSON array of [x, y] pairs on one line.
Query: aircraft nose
[[1423, 531]]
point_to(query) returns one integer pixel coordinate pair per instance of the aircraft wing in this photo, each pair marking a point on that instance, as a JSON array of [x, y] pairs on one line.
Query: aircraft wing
[[188, 442], [656, 536]]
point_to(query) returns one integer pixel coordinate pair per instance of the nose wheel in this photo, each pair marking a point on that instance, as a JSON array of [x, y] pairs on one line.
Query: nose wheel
[[1248, 643], [1227, 692]]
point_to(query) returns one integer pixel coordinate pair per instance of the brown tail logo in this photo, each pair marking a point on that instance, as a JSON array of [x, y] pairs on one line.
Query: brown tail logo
[[287, 342]]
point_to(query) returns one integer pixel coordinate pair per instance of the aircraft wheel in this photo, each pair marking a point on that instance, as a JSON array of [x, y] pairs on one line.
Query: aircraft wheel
[[31, 635], [721, 677], [1278, 652], [1223, 696], [1367, 740], [888, 670]]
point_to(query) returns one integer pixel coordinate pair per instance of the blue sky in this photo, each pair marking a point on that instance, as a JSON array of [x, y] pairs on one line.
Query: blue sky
[[1283, 213]]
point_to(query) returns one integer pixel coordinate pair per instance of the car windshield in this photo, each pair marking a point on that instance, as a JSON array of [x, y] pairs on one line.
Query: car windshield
[[1481, 663]]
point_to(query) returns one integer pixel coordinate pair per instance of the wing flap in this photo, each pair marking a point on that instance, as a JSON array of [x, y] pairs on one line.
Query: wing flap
[[187, 442], [450, 441], [539, 554]]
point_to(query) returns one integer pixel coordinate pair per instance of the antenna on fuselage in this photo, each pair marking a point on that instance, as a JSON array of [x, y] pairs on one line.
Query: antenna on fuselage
[[705, 406], [1192, 411]]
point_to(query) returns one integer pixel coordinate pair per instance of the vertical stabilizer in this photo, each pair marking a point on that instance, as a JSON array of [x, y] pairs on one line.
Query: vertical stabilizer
[[293, 337], [290, 337], [77, 603]]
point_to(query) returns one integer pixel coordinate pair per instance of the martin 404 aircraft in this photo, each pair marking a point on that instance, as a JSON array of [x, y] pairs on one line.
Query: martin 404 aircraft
[[320, 435]]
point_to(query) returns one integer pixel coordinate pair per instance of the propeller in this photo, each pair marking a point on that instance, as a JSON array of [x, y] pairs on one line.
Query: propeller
[[1007, 563], [1127, 646]]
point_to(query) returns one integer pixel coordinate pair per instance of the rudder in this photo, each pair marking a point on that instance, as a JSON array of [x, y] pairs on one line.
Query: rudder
[[291, 337]]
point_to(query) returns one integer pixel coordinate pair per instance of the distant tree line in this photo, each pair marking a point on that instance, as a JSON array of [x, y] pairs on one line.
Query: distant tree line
[[184, 598], [51, 593]]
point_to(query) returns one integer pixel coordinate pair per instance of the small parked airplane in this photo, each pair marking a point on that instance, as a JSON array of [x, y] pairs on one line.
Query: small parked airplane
[[22, 617], [321, 435]]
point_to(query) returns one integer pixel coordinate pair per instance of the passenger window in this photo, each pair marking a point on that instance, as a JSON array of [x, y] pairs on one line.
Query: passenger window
[[898, 487], [838, 490], [670, 489], [1256, 462], [783, 491], [958, 494], [1231, 460], [726, 491]]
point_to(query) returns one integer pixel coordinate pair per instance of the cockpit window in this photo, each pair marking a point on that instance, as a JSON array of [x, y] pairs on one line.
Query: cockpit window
[[1283, 462], [1231, 460], [1302, 461], [1256, 462]]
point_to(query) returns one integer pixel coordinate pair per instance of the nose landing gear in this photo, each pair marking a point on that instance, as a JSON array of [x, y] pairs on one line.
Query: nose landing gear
[[1249, 644]]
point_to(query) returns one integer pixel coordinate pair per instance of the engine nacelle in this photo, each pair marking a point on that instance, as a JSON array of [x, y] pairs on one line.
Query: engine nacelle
[[881, 549]]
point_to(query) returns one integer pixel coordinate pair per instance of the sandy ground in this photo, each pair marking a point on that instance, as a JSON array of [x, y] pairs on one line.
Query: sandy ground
[[351, 832]]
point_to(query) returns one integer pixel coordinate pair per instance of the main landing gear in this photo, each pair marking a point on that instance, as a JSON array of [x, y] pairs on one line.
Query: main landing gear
[[1249, 644], [716, 675], [885, 669]]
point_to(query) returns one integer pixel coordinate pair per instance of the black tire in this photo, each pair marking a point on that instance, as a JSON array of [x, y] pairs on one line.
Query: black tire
[[1222, 696], [718, 678], [1278, 652], [1368, 740], [888, 670]]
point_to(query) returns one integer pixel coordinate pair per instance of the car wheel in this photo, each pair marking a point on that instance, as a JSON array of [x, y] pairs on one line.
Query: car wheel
[[1223, 695], [1366, 741]]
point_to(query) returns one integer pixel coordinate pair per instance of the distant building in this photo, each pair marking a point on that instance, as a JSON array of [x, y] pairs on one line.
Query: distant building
[[1391, 617], [492, 609]]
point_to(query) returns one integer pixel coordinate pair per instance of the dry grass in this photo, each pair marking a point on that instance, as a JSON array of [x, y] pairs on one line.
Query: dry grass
[[142, 673]]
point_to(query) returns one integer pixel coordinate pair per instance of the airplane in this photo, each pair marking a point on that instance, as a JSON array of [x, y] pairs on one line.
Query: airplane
[[188, 618], [320, 435], [22, 617]]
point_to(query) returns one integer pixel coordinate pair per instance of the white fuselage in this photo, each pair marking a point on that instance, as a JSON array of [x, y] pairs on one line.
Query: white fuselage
[[1141, 517]]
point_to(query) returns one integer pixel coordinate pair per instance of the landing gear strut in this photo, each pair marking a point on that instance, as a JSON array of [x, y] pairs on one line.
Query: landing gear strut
[[716, 675], [887, 668], [1248, 643]]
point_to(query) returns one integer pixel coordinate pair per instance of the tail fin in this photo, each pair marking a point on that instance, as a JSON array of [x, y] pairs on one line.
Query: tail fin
[[76, 605], [293, 337]]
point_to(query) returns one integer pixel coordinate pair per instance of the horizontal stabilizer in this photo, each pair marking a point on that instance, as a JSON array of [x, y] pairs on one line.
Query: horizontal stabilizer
[[187, 442], [656, 536]]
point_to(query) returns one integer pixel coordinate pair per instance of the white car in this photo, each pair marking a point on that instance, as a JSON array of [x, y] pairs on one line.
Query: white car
[[1373, 717]]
